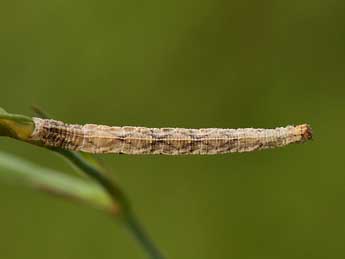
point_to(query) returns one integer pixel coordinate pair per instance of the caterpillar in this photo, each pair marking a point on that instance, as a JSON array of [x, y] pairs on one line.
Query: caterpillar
[[97, 139]]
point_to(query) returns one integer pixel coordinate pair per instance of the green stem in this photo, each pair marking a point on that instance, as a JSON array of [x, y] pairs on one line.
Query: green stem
[[135, 228], [126, 213], [115, 193]]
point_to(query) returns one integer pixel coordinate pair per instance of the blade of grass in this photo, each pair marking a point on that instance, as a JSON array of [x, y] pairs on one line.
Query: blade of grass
[[19, 171]]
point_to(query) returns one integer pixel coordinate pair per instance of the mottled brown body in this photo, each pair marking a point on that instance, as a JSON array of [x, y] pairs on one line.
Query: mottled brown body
[[93, 138]]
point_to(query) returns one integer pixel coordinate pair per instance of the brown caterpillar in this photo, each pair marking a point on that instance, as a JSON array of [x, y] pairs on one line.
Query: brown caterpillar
[[93, 138]]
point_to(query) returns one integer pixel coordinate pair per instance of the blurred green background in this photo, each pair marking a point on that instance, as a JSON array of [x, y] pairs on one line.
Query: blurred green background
[[208, 63]]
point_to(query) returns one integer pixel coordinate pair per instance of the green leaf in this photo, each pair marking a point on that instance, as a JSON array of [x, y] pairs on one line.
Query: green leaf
[[19, 171]]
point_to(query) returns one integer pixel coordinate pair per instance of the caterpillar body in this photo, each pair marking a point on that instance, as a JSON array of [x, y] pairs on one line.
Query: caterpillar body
[[93, 138]]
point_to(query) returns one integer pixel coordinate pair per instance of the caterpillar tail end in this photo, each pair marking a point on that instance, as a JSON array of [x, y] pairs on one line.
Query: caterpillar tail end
[[305, 131]]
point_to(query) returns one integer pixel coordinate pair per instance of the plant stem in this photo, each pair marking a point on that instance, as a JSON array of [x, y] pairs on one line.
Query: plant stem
[[101, 178], [135, 228], [126, 214]]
